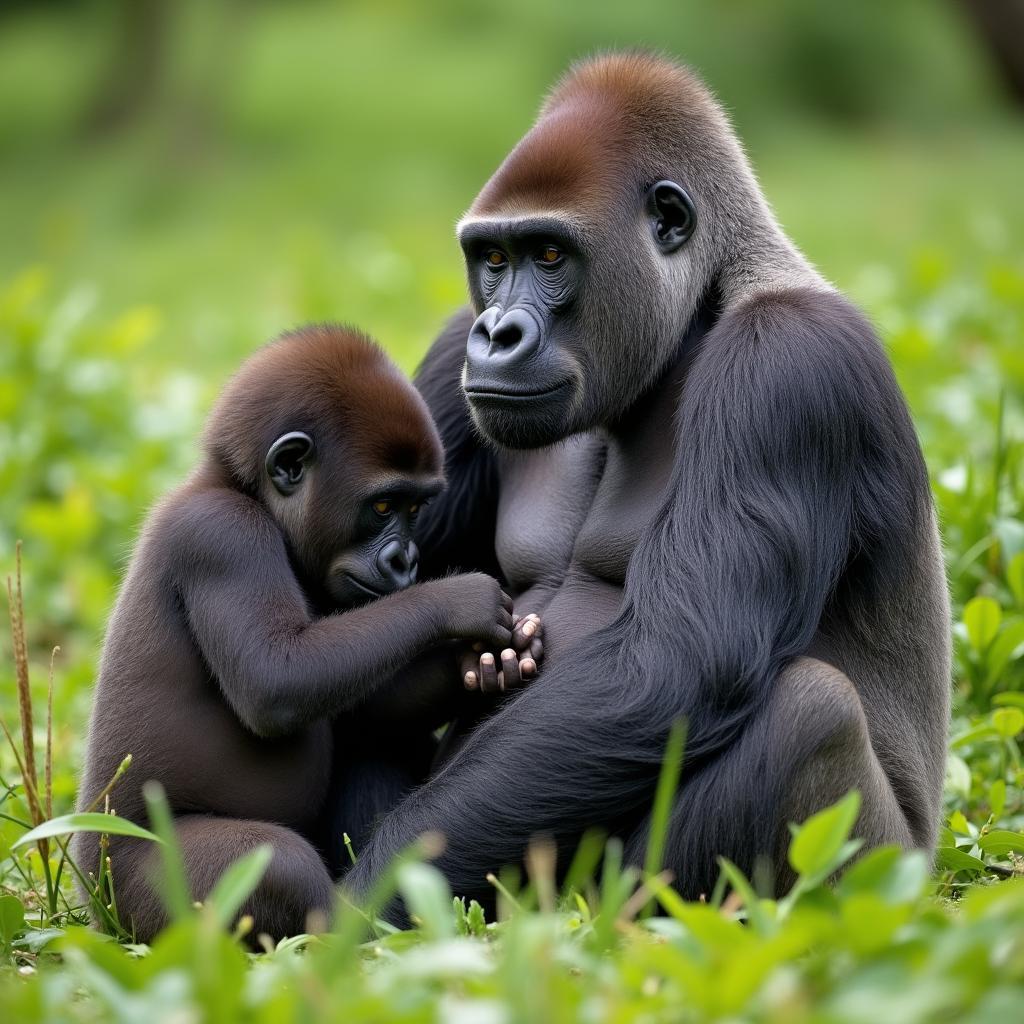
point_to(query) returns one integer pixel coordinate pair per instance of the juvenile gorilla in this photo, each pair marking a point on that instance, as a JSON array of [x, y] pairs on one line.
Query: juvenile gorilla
[[229, 673]]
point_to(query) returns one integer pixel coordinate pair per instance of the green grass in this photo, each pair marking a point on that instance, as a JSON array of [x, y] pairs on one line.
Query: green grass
[[136, 272]]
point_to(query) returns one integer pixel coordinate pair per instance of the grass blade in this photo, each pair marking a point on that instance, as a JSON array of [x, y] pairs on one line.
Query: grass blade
[[175, 889], [238, 882], [65, 825]]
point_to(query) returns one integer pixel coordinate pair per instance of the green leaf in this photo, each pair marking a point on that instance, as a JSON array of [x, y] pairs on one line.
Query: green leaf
[[476, 920], [1011, 698], [428, 898], [982, 616], [1008, 721], [1008, 646], [1001, 841], [949, 858], [12, 920], [958, 776], [889, 873], [958, 823], [981, 731], [1015, 576], [997, 798], [819, 841], [111, 824], [238, 882], [745, 891]]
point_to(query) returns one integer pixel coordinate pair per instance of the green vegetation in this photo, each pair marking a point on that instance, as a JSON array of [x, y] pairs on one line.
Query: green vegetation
[[317, 174]]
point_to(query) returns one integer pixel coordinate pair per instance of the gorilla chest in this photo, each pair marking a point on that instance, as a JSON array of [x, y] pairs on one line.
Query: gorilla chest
[[628, 496], [545, 498], [569, 520]]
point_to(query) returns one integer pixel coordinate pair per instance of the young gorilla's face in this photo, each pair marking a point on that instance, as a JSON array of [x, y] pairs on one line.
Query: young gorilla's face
[[350, 527]]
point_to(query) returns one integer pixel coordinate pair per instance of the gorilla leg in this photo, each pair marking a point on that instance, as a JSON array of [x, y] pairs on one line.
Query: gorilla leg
[[812, 741], [366, 785], [296, 881]]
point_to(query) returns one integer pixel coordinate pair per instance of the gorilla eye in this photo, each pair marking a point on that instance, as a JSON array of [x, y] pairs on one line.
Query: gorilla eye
[[495, 258], [413, 509], [549, 255], [382, 508]]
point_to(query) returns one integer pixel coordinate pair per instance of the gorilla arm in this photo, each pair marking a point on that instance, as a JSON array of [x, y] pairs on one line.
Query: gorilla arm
[[796, 453], [279, 667]]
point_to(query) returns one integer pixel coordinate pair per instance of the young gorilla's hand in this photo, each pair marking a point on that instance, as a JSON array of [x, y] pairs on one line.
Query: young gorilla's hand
[[477, 609], [519, 663]]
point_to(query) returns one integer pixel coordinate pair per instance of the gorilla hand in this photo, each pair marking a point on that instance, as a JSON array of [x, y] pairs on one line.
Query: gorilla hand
[[519, 663], [476, 609]]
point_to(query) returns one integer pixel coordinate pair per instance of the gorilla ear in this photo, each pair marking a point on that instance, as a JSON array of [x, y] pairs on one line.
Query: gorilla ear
[[672, 215], [286, 460]]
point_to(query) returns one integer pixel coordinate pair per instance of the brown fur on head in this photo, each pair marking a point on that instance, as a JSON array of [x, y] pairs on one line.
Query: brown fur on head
[[611, 125], [328, 379], [612, 128], [368, 425]]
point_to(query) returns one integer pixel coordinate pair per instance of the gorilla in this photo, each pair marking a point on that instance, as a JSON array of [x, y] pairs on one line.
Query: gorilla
[[270, 660], [669, 435]]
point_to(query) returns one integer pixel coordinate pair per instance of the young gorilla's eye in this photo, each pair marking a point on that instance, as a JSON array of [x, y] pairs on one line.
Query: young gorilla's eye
[[382, 508], [549, 255], [495, 258], [413, 509]]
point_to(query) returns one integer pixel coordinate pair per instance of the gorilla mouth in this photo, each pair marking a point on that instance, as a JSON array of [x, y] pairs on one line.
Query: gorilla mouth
[[365, 587], [513, 395]]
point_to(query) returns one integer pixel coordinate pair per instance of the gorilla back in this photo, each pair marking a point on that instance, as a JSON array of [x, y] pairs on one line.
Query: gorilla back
[[700, 470]]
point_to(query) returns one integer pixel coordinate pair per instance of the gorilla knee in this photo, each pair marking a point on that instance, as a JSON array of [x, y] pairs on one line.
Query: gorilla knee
[[295, 885], [818, 709]]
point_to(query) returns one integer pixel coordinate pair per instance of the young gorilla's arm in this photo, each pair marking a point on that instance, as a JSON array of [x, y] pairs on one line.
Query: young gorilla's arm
[[278, 666]]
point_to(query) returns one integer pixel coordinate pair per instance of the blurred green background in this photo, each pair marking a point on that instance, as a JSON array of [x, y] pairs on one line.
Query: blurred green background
[[181, 180]]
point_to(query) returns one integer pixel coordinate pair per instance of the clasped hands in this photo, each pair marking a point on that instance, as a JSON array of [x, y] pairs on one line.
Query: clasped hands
[[513, 667]]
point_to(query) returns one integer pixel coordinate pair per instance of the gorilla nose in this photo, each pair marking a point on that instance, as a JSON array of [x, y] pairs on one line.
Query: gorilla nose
[[398, 564], [505, 339]]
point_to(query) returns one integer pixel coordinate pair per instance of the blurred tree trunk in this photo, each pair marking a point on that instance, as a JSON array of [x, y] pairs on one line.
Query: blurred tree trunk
[[131, 85], [1000, 23]]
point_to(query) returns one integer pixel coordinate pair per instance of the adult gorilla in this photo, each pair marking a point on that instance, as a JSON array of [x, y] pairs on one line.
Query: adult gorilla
[[703, 474]]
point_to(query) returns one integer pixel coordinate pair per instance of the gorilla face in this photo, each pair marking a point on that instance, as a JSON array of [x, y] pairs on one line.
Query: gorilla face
[[351, 531], [572, 327], [523, 376]]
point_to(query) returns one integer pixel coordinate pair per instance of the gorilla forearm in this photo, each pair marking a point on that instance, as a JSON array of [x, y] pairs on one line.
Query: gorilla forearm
[[279, 668]]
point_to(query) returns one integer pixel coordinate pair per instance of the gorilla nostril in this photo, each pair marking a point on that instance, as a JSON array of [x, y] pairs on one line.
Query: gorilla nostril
[[507, 333], [394, 565]]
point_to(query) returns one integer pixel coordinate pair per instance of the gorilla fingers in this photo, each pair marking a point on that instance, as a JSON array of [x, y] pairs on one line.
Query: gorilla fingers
[[519, 662]]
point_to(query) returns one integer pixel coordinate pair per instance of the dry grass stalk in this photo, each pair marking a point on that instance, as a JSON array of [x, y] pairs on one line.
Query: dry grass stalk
[[48, 763], [16, 611]]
